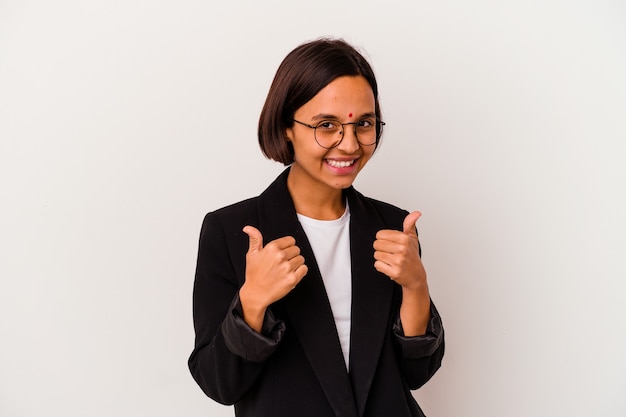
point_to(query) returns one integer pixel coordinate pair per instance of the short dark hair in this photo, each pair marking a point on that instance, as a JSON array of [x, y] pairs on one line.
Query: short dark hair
[[303, 73]]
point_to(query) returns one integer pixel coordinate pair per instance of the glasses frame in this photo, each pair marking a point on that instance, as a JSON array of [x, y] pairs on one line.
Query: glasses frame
[[343, 132]]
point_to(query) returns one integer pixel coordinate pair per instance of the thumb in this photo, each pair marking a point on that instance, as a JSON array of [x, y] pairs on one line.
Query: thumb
[[256, 239], [408, 225]]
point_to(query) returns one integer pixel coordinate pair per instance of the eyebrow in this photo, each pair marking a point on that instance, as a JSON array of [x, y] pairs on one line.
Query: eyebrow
[[323, 116]]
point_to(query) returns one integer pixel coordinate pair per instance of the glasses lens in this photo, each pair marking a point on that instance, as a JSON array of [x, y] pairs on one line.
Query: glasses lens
[[367, 130], [328, 133]]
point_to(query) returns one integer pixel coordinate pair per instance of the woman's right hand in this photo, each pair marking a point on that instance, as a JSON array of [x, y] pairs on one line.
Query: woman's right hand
[[272, 271]]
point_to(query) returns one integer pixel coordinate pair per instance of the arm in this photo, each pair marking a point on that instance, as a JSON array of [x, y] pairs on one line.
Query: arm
[[397, 255], [420, 356], [418, 329], [228, 355]]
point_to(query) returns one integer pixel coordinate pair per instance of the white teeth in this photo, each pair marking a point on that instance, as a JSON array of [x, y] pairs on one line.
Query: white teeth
[[339, 164]]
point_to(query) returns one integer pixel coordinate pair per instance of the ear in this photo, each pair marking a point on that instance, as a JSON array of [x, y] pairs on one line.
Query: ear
[[289, 134]]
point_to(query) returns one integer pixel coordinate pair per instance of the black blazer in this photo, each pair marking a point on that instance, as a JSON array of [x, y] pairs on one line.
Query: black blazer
[[295, 368]]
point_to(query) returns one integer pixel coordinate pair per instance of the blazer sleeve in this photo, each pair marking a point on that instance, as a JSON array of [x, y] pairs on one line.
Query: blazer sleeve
[[228, 355], [420, 356]]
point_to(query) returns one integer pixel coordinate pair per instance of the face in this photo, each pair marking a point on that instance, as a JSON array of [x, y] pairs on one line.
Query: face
[[346, 99]]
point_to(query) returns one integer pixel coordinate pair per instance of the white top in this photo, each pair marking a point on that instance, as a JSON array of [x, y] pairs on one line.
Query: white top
[[330, 241]]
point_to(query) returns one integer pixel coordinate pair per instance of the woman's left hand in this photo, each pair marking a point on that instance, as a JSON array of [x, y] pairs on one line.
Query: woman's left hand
[[397, 255]]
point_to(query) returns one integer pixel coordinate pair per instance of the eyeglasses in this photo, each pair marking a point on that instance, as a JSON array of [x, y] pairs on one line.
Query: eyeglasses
[[329, 133]]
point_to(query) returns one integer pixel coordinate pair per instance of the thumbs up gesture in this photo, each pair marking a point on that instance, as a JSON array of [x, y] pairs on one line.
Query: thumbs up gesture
[[397, 254], [272, 271]]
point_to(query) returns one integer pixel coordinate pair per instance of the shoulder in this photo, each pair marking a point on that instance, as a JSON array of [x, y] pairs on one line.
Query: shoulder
[[386, 208], [235, 209], [231, 217]]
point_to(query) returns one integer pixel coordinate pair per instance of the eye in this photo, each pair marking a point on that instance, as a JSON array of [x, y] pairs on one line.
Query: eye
[[328, 125], [366, 123]]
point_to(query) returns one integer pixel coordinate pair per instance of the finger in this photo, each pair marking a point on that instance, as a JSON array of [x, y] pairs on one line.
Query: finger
[[256, 239], [384, 268], [389, 246], [301, 272], [296, 262], [294, 277], [408, 226], [284, 242], [390, 235], [387, 258], [291, 252]]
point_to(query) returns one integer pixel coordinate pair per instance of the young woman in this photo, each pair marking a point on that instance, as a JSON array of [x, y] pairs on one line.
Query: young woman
[[311, 299]]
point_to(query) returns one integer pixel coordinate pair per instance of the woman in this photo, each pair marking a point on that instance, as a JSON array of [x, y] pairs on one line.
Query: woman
[[311, 299]]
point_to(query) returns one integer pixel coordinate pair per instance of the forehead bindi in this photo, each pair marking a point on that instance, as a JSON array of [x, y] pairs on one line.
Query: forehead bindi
[[350, 115]]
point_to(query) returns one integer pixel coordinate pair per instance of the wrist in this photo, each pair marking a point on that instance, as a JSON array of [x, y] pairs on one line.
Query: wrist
[[415, 295], [415, 311], [253, 310]]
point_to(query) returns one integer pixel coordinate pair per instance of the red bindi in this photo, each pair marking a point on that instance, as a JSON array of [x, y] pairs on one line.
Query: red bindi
[[349, 114]]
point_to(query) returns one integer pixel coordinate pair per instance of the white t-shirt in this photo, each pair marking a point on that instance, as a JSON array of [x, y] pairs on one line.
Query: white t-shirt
[[330, 241]]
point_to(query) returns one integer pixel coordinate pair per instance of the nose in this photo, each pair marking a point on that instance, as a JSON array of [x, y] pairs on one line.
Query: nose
[[349, 144]]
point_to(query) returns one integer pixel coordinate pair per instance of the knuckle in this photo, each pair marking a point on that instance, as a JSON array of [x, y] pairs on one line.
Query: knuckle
[[291, 279], [280, 256], [284, 269]]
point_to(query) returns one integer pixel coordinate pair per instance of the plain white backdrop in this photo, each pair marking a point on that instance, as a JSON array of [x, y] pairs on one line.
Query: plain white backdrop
[[123, 122]]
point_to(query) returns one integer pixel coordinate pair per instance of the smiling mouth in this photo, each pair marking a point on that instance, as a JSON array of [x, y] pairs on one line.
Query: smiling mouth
[[340, 164]]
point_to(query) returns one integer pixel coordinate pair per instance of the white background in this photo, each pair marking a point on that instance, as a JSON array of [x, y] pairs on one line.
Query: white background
[[123, 122]]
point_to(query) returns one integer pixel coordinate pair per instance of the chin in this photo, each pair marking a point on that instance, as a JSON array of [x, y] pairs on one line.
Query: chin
[[342, 184]]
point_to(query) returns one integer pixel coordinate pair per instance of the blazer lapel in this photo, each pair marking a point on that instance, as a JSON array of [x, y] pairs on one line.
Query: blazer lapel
[[372, 294], [307, 307]]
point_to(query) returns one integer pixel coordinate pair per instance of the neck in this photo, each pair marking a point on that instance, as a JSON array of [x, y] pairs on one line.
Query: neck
[[313, 199]]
